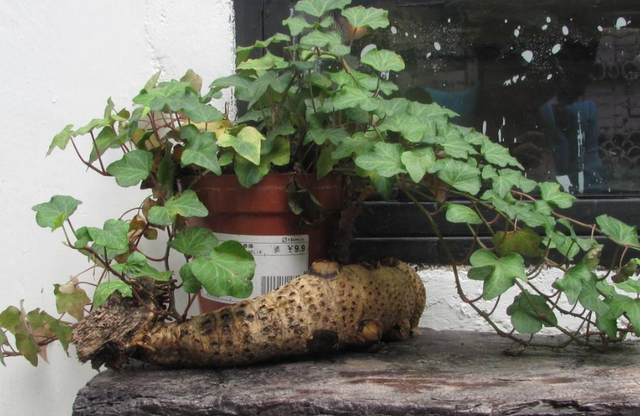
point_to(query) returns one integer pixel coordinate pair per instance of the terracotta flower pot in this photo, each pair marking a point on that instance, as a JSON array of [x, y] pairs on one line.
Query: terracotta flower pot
[[260, 218]]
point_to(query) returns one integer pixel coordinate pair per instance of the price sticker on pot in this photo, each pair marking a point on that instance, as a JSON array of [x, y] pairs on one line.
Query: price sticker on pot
[[279, 259]]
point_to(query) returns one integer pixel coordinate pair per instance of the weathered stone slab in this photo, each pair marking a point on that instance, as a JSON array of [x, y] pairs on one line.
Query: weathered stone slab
[[436, 373]]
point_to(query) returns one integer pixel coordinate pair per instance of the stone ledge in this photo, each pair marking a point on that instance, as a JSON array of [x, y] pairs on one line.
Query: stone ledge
[[436, 373]]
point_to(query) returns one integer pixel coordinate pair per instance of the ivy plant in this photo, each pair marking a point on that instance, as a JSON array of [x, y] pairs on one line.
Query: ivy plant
[[312, 107]]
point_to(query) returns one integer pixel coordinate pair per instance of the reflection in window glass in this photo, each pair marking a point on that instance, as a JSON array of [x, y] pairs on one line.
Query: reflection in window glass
[[555, 81]]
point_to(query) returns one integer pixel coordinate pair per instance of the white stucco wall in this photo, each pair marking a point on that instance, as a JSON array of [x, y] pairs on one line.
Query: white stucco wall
[[59, 62]]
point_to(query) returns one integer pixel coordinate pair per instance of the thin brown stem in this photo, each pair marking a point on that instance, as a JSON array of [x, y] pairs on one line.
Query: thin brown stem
[[95, 148], [87, 164]]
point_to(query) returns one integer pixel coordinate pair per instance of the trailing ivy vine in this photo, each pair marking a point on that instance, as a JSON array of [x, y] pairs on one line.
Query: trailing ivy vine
[[315, 109]]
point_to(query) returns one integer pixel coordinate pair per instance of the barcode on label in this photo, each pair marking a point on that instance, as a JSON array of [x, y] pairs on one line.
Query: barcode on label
[[270, 283]]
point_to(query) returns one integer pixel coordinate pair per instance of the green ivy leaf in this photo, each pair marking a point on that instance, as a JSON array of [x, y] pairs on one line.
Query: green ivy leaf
[[226, 158], [166, 171], [180, 101], [340, 50], [55, 212], [185, 205], [319, 80], [385, 159], [410, 127], [159, 216], [169, 88], [460, 175], [151, 83], [281, 83], [194, 242], [461, 214], [320, 135], [264, 63], [317, 107], [626, 271], [525, 184], [227, 271], [296, 24], [632, 309], [499, 274], [284, 129], [366, 17], [489, 172], [498, 155], [551, 193], [506, 179], [61, 329], [246, 143], [384, 186], [502, 185], [618, 231], [456, 146], [525, 212], [249, 173], [137, 266], [609, 322], [349, 97], [235, 81], [105, 289], [321, 39], [243, 52], [27, 346], [393, 107], [93, 124], [107, 138], [630, 286], [500, 203], [317, 8], [191, 283], [193, 79], [349, 146], [572, 281], [173, 94], [260, 86], [530, 312], [203, 113], [61, 139], [201, 149], [476, 138], [590, 297], [34, 319], [10, 319], [71, 299], [366, 81], [432, 112], [134, 167], [113, 235], [383, 60], [325, 161], [564, 244], [326, 22], [280, 153], [418, 161]]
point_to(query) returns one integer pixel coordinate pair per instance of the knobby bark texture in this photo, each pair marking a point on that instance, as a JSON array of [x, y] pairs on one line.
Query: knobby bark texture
[[328, 309], [434, 373]]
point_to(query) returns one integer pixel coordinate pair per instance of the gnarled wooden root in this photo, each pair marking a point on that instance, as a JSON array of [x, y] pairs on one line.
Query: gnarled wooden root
[[329, 308]]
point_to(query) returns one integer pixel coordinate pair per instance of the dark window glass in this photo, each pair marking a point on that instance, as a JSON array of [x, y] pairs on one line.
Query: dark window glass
[[555, 81]]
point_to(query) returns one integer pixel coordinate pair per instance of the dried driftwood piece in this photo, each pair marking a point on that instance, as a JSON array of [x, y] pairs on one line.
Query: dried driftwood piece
[[329, 308]]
